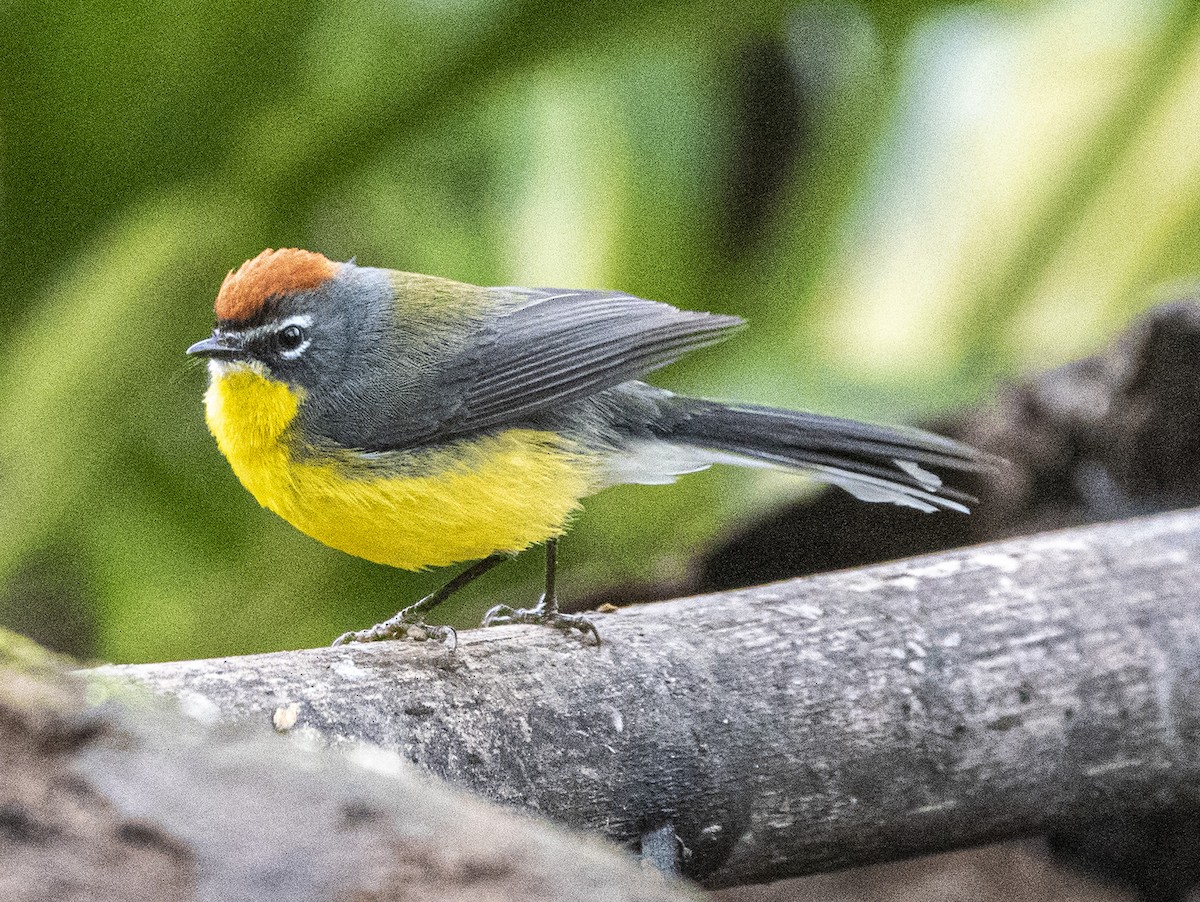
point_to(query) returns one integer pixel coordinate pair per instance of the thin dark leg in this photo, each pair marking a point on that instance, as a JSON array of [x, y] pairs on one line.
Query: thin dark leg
[[546, 610], [550, 598], [400, 625]]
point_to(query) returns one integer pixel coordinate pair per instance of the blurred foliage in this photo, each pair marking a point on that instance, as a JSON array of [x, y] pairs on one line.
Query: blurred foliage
[[908, 201]]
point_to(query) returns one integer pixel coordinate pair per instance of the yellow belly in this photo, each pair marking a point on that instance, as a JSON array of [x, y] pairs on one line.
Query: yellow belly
[[407, 509]]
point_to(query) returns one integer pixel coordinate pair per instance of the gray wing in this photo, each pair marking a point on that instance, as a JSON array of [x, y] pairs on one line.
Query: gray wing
[[561, 346]]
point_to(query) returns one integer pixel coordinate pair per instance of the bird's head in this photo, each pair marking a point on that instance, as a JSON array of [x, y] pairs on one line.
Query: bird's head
[[353, 345], [285, 314]]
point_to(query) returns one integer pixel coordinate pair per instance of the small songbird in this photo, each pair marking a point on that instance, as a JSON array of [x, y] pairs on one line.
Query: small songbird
[[416, 422]]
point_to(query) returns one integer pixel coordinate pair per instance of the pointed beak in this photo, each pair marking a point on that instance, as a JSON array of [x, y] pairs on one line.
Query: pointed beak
[[217, 346]]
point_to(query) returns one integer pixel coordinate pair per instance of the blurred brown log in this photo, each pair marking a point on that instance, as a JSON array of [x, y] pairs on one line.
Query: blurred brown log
[[134, 801]]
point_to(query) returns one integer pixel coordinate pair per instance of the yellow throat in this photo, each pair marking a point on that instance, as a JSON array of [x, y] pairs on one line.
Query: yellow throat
[[410, 509]]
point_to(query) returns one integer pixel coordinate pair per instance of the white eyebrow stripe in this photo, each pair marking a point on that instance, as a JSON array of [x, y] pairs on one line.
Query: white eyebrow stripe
[[303, 320]]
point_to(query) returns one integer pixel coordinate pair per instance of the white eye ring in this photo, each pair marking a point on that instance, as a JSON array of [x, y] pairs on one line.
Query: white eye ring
[[296, 328]]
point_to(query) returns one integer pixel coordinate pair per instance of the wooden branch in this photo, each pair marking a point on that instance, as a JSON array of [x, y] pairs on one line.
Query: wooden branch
[[906, 708]]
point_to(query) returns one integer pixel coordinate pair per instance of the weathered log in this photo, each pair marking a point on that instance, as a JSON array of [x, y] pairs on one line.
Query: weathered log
[[1001, 690], [129, 800]]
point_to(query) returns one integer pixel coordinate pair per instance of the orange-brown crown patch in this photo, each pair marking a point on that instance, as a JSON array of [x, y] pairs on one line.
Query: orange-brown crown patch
[[270, 274]]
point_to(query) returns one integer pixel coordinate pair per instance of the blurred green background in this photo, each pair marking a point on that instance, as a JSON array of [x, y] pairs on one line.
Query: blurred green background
[[909, 202]]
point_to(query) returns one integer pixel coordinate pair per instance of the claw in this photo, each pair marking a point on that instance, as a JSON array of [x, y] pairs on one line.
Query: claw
[[500, 615], [400, 627], [542, 613], [410, 622]]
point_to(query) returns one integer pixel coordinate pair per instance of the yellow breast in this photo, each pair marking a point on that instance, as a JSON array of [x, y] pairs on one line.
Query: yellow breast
[[408, 509]]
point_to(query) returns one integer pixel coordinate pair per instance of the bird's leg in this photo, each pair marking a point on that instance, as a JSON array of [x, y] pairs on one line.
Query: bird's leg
[[546, 610], [402, 625]]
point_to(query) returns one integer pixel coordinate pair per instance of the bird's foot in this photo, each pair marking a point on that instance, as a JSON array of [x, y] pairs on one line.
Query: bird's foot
[[404, 625], [543, 613]]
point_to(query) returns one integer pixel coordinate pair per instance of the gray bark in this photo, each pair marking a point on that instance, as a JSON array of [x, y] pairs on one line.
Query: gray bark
[[1002, 690]]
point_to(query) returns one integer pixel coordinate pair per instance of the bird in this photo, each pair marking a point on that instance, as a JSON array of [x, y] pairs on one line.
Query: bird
[[416, 421]]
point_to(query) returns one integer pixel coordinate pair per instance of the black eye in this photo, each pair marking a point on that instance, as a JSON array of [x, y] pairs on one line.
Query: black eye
[[290, 337]]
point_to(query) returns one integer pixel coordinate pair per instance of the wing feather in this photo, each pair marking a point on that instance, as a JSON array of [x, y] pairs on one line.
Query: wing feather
[[564, 346]]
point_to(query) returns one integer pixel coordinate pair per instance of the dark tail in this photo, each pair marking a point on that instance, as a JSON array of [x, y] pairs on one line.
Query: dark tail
[[873, 463]]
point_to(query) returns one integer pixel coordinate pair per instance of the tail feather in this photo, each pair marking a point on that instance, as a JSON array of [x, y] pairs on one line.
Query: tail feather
[[874, 463]]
